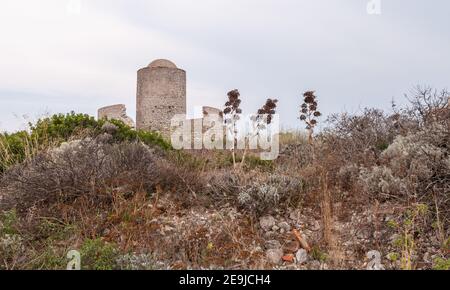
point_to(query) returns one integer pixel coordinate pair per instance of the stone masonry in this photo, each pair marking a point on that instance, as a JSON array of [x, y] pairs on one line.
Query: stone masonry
[[161, 94], [118, 112]]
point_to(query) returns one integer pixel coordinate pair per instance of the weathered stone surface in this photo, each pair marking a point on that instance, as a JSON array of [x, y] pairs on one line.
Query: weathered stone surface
[[272, 244], [291, 246], [161, 94], [301, 256], [162, 63], [274, 256], [210, 111], [118, 112], [267, 222], [285, 226], [315, 226]]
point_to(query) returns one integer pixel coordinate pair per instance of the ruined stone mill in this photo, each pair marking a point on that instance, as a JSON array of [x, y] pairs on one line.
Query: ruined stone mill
[[160, 94]]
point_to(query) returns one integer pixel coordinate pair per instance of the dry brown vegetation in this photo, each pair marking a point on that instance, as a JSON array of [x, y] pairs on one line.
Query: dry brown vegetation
[[369, 181]]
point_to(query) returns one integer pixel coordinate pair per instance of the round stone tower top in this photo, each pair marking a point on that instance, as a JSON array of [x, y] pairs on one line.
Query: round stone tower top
[[162, 63]]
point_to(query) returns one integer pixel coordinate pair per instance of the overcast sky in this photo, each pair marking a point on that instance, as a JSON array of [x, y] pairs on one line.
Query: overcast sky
[[57, 57]]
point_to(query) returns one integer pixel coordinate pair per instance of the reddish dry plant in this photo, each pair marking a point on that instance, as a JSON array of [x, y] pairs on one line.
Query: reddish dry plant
[[309, 112], [267, 110], [233, 103]]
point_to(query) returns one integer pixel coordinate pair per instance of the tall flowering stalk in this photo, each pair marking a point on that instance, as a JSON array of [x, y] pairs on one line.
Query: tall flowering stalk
[[309, 113], [260, 121], [231, 115]]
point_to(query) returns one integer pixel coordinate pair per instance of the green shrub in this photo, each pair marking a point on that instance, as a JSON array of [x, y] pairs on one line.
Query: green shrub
[[49, 258], [11, 243], [62, 127], [125, 133], [59, 128], [253, 162], [98, 255], [8, 223], [441, 264], [13, 148], [318, 254], [225, 159], [393, 257]]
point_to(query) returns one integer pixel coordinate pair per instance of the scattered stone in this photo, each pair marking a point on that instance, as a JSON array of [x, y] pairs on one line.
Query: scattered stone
[[377, 234], [426, 257], [294, 215], [285, 226], [394, 237], [275, 228], [314, 265], [168, 228], [301, 256], [363, 234], [315, 226], [267, 222], [273, 244], [291, 246], [270, 235], [274, 256]]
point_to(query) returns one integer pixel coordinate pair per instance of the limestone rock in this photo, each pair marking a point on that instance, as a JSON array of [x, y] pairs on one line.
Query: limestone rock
[[267, 222], [272, 244], [285, 226], [274, 256], [291, 246], [301, 256]]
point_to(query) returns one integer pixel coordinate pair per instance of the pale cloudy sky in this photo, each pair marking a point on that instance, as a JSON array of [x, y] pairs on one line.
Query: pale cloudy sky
[[57, 57]]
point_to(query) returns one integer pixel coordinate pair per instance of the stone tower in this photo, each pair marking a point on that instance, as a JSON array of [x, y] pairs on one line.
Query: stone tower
[[161, 93]]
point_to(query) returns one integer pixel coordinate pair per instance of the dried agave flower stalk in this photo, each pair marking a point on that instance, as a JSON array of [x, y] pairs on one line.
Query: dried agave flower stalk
[[231, 115], [309, 113], [260, 121]]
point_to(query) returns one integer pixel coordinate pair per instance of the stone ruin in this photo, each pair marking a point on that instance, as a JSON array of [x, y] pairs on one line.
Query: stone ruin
[[160, 95], [118, 112]]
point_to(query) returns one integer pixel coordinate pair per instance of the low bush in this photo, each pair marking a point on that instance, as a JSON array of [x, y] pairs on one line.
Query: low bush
[[98, 255], [12, 244], [52, 131], [13, 148], [380, 182], [360, 138], [441, 264], [87, 168], [255, 192], [267, 193], [414, 166]]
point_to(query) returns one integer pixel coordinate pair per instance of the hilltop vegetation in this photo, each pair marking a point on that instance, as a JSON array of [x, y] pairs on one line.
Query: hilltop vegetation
[[52, 131], [126, 200]]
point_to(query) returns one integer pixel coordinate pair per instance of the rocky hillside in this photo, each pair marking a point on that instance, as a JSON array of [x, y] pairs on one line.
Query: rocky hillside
[[369, 191]]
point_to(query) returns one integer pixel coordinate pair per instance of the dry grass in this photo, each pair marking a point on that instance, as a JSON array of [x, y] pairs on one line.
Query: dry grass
[[191, 210]]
